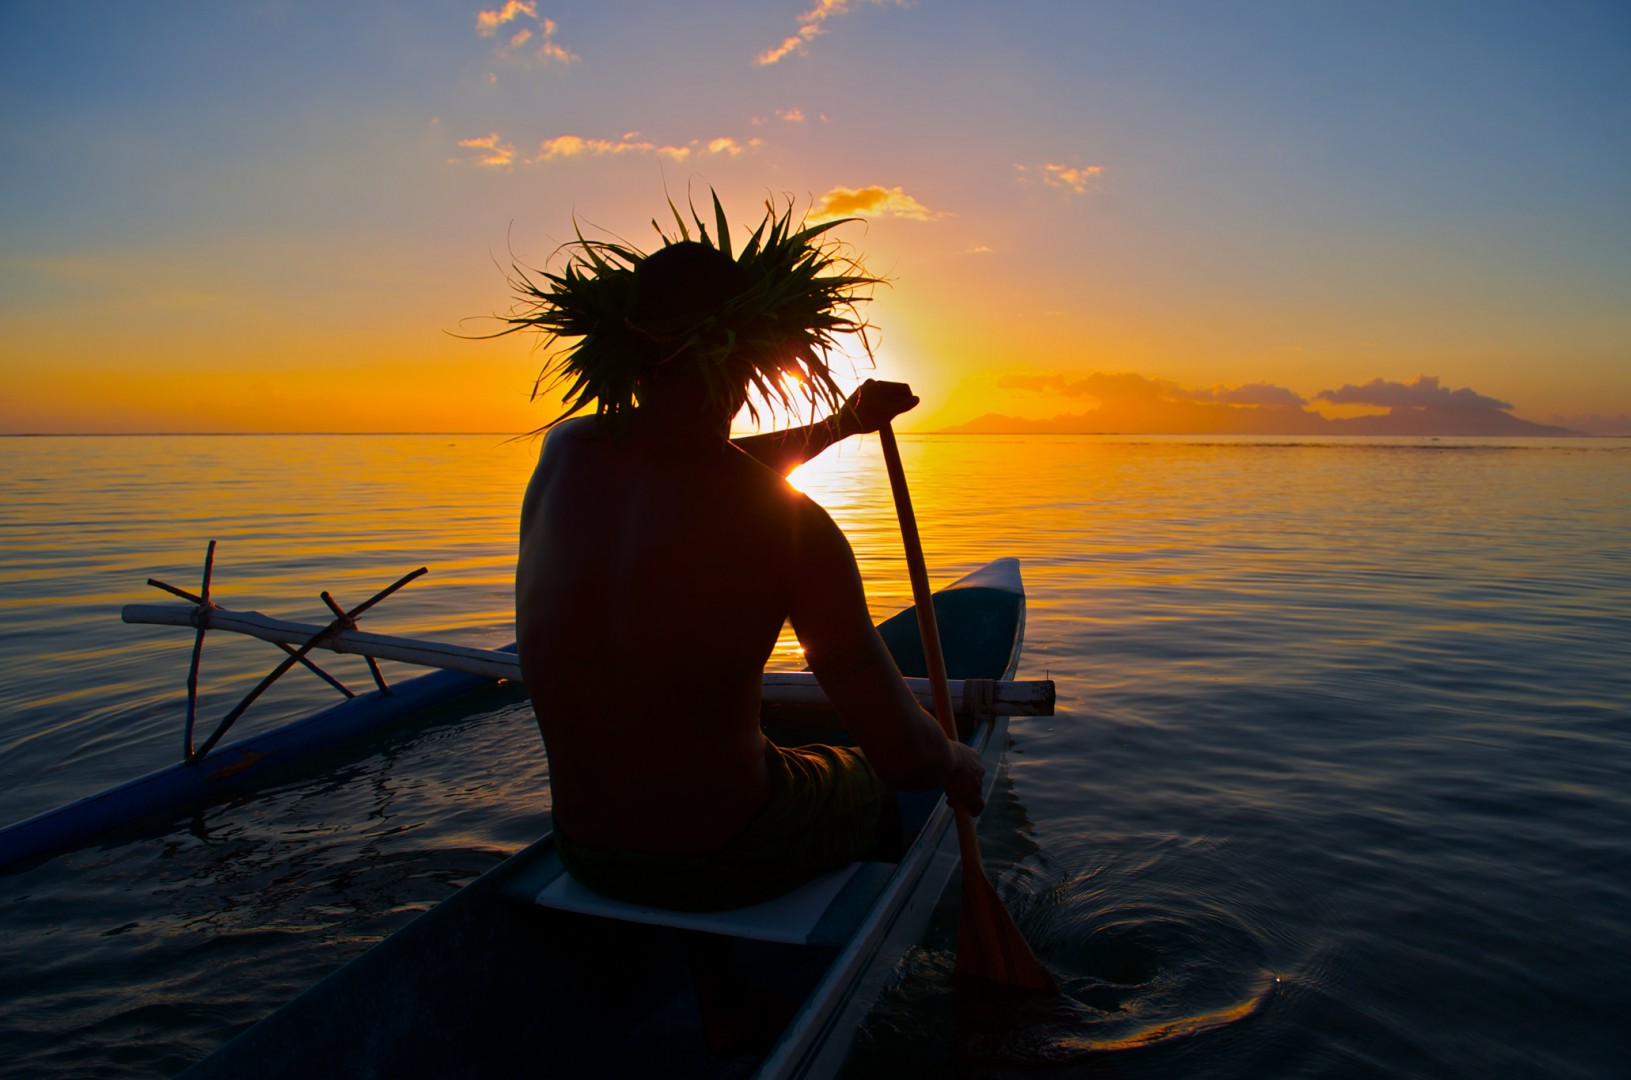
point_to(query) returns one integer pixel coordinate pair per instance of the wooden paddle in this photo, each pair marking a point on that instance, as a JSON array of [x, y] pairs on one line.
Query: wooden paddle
[[989, 945]]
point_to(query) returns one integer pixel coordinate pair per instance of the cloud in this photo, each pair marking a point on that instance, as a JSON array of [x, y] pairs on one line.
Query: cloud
[[1052, 174], [786, 116], [551, 49], [1125, 402], [1128, 402], [1422, 393], [572, 146], [492, 152], [1251, 394], [812, 24], [488, 24], [569, 146], [872, 202]]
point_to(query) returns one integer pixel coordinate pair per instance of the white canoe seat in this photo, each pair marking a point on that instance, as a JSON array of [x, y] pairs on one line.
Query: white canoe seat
[[822, 911]]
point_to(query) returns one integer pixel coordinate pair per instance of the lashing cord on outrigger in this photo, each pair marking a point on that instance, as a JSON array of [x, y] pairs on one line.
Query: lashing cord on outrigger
[[343, 620]]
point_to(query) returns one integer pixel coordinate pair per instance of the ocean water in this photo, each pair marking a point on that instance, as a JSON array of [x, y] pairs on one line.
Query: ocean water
[[1337, 784]]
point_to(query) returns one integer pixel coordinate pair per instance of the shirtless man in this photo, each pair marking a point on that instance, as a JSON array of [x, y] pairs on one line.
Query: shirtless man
[[657, 566]]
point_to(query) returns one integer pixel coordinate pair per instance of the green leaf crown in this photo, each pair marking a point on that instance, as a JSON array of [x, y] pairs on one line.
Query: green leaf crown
[[800, 296]]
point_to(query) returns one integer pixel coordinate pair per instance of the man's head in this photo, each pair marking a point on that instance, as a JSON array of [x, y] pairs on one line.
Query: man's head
[[681, 293], [693, 313], [678, 285]]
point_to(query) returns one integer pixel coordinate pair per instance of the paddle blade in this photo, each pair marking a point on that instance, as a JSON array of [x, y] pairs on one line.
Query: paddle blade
[[989, 945]]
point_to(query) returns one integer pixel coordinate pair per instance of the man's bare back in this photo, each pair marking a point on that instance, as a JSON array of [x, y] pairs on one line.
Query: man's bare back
[[656, 571], [650, 590]]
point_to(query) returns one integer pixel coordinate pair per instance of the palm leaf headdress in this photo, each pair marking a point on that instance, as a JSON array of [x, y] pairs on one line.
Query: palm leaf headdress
[[800, 295]]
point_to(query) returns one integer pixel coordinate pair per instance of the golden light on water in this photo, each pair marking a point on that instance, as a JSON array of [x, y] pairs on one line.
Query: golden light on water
[[1178, 1027]]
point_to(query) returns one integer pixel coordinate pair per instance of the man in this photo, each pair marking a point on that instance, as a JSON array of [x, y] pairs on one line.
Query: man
[[658, 563]]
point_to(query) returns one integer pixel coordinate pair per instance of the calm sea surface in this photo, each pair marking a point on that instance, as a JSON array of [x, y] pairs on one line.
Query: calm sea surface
[[1340, 782]]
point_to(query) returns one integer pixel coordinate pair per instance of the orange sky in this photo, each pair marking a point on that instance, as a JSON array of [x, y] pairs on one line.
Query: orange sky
[[277, 219]]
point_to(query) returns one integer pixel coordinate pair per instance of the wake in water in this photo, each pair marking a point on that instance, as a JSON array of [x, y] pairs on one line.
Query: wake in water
[[1130, 978], [1147, 951]]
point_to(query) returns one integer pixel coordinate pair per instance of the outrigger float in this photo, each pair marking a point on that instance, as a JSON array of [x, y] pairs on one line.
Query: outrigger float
[[525, 972]]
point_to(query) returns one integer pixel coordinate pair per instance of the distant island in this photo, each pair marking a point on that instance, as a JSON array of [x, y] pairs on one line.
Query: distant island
[[1133, 404], [1270, 421]]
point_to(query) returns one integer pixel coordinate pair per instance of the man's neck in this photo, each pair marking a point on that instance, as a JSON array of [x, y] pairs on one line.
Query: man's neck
[[680, 427]]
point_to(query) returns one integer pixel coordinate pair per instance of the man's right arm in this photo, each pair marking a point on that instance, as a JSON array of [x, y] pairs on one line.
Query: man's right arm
[[873, 404], [849, 659]]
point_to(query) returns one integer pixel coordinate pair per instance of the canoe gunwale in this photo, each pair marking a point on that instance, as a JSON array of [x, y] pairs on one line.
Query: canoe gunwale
[[869, 963], [866, 966]]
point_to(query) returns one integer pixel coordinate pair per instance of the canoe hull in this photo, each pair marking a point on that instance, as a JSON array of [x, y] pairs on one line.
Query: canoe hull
[[169, 794]]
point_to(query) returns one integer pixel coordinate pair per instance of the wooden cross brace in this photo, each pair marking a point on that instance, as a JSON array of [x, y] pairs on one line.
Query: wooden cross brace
[[343, 620]]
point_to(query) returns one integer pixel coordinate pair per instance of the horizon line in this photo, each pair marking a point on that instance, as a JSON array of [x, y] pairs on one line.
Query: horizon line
[[938, 432]]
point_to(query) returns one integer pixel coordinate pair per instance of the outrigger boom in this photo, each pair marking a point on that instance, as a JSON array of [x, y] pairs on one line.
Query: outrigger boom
[[796, 689]]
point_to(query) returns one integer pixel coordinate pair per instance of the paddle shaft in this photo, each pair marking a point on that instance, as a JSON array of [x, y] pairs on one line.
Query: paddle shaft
[[989, 945], [918, 571]]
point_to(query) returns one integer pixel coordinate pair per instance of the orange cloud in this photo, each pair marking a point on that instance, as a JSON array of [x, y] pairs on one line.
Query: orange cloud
[[1053, 174], [1127, 402], [494, 153], [812, 24], [875, 202], [570, 146], [488, 22], [789, 116], [549, 51], [565, 146]]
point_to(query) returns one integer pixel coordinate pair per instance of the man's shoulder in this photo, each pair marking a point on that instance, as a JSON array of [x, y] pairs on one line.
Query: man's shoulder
[[571, 442], [577, 429]]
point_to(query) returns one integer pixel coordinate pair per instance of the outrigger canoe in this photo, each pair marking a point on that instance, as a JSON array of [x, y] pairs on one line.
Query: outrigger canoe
[[215, 774], [526, 973]]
